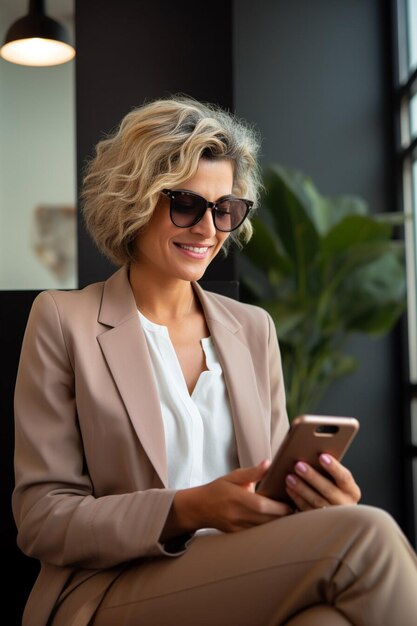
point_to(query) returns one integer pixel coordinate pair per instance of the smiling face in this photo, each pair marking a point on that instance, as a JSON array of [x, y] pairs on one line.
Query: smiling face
[[167, 252]]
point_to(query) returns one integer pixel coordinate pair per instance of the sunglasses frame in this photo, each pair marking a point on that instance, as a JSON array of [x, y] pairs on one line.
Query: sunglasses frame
[[171, 193]]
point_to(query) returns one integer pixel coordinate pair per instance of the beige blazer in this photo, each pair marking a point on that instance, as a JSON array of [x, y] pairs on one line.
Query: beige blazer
[[90, 462]]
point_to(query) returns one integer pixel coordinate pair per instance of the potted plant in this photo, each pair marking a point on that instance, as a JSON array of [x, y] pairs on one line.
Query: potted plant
[[324, 268]]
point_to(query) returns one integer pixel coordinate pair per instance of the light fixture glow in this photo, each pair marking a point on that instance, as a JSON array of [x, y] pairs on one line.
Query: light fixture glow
[[37, 52], [37, 40]]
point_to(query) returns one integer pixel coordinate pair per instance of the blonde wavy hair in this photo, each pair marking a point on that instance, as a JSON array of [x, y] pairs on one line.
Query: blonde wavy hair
[[158, 145]]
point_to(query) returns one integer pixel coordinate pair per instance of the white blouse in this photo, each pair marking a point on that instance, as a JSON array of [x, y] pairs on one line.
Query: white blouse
[[199, 434]]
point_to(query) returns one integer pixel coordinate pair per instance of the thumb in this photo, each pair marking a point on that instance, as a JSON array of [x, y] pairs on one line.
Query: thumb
[[251, 474]]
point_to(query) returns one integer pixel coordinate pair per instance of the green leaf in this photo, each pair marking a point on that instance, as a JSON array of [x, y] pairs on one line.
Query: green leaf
[[352, 231], [327, 212], [262, 250], [293, 225], [286, 316], [380, 282], [379, 294], [378, 321], [306, 385]]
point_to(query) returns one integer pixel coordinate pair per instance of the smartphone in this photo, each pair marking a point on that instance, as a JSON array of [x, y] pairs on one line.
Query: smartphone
[[307, 438]]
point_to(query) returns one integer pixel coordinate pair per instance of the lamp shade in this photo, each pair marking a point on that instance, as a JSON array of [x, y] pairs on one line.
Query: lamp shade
[[37, 39]]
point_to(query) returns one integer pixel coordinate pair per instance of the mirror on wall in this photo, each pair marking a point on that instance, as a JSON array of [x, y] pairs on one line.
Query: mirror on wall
[[37, 165]]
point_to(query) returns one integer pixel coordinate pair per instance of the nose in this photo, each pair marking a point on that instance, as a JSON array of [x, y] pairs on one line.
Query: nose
[[205, 226]]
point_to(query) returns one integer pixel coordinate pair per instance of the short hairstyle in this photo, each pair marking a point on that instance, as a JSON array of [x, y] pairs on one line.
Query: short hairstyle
[[158, 145]]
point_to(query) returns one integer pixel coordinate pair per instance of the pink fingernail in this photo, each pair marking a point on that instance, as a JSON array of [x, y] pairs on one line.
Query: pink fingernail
[[301, 467], [291, 480], [326, 459]]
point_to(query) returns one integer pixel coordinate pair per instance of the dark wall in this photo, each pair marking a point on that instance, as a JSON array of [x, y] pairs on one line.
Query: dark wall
[[315, 77], [132, 51]]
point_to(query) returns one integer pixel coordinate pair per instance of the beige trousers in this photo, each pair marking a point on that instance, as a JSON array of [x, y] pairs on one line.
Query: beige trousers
[[330, 567]]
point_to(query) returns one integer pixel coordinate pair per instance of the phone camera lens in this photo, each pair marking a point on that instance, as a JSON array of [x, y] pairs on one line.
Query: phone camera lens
[[327, 429]]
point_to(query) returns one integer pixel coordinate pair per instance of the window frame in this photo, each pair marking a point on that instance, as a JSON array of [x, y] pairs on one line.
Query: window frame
[[404, 89]]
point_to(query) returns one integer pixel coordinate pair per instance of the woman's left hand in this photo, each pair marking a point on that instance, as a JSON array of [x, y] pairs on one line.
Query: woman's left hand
[[311, 490]]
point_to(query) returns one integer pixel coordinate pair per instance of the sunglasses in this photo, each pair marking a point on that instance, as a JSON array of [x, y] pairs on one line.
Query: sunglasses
[[188, 208]]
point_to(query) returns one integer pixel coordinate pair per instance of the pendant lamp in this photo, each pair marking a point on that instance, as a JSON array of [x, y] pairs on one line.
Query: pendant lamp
[[37, 39]]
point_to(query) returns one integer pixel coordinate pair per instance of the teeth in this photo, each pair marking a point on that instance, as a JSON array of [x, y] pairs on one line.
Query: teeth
[[194, 249]]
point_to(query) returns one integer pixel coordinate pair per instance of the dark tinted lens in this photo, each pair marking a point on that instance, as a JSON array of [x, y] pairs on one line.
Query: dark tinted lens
[[229, 214], [186, 208]]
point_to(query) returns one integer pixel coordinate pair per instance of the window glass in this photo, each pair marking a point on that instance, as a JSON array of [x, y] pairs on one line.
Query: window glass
[[414, 169], [413, 116], [412, 33]]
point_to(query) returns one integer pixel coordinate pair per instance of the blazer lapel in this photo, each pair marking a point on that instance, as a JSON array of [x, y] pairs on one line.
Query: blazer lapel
[[252, 438], [125, 350], [126, 353]]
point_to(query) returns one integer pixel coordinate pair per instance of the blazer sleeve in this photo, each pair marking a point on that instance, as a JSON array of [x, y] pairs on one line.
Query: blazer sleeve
[[59, 519], [279, 417]]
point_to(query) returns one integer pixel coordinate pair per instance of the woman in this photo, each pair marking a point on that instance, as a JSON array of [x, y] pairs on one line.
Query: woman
[[147, 410]]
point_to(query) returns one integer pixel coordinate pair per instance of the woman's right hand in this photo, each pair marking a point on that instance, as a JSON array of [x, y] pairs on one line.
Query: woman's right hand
[[228, 503]]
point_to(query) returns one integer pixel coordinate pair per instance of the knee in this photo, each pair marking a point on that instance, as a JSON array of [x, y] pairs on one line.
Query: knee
[[375, 523], [373, 517], [322, 615]]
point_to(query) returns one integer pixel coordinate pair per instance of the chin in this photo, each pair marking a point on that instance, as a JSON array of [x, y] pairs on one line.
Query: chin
[[193, 274]]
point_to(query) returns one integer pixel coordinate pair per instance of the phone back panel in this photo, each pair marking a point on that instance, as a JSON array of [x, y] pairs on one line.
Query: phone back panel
[[308, 437]]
